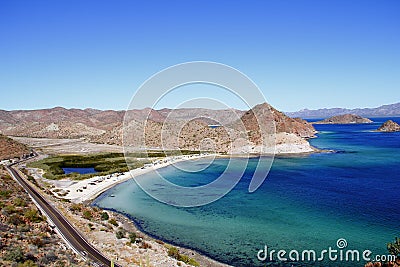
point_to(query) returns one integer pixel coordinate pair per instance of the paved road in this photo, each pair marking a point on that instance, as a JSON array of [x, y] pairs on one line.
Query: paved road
[[67, 230]]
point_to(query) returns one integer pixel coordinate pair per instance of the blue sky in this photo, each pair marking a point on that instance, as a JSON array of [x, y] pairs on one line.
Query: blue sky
[[302, 54]]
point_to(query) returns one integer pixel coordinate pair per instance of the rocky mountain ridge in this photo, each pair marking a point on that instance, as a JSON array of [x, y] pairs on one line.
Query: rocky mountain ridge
[[165, 128], [344, 119]]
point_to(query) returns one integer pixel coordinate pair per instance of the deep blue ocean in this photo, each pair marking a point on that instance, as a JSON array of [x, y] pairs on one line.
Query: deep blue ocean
[[307, 202]]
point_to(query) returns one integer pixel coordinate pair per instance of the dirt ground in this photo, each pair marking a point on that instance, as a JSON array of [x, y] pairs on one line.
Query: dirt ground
[[66, 146]]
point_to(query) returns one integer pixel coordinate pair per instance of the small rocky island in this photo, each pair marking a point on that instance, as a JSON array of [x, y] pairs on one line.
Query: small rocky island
[[344, 119], [389, 126]]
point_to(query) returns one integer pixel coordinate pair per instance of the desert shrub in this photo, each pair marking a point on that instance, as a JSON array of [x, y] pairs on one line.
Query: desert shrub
[[33, 215], [10, 209], [104, 216], [76, 207], [91, 226], [15, 219], [19, 202], [87, 215], [188, 260], [5, 193], [32, 180], [113, 222], [62, 264], [120, 233], [394, 247], [23, 228], [158, 241], [132, 237], [37, 241], [15, 254], [28, 263], [144, 245], [51, 256], [7, 177], [174, 253], [193, 262]]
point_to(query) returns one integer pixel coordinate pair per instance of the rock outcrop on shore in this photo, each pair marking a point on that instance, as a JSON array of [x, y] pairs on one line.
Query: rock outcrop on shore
[[389, 126], [290, 134], [344, 119]]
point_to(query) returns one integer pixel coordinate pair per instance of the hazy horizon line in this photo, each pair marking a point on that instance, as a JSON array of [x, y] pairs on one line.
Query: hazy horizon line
[[100, 109]]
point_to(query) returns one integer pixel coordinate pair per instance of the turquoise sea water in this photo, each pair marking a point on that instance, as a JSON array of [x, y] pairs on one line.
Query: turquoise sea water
[[307, 202]]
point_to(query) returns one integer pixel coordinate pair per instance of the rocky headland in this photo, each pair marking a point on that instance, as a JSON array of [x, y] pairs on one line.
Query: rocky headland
[[389, 126], [344, 119]]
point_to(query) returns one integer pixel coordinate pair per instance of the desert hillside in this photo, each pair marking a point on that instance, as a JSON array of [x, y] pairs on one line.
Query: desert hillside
[[166, 128], [26, 237], [10, 148]]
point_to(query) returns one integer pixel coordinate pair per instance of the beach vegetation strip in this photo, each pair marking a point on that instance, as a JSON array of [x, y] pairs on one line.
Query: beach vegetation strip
[[103, 163]]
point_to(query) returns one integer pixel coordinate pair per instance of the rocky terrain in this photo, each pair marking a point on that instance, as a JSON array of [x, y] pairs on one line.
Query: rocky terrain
[[115, 235], [66, 146], [244, 132], [26, 237], [344, 119], [96, 125], [389, 126], [392, 110], [10, 148], [240, 131]]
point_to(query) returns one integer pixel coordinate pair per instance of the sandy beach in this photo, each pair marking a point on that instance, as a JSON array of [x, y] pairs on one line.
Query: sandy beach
[[88, 189]]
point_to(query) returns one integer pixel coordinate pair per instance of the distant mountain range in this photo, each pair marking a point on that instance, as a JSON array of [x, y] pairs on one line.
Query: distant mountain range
[[392, 110]]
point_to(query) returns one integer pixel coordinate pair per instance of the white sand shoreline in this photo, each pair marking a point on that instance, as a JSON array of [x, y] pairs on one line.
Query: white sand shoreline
[[88, 189]]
